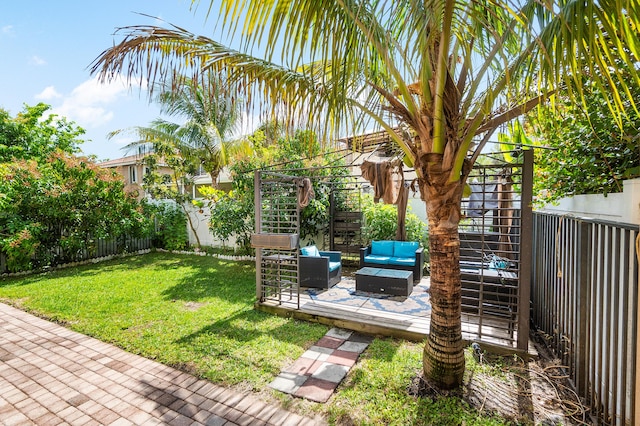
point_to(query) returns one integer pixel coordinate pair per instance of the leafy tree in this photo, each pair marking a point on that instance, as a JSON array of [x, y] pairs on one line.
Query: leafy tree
[[233, 214], [592, 151], [54, 205], [446, 73], [31, 135]]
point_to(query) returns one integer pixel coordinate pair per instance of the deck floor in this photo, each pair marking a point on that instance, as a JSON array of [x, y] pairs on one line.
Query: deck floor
[[384, 315]]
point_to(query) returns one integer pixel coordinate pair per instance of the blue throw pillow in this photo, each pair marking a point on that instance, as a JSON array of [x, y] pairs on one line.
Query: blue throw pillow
[[310, 251], [405, 249], [382, 248]]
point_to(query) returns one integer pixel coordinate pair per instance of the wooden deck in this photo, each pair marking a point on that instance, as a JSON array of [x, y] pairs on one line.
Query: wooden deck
[[390, 324]]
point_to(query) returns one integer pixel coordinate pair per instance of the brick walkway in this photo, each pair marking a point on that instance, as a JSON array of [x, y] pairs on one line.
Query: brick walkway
[[50, 375], [319, 371]]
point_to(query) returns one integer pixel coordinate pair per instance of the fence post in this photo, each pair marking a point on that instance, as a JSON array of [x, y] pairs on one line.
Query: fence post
[[636, 388], [526, 251], [583, 279], [257, 192]]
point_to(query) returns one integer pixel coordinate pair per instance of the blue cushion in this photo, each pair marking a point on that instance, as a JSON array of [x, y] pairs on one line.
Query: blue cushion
[[402, 261], [405, 248], [310, 251], [333, 266], [374, 258], [382, 248]]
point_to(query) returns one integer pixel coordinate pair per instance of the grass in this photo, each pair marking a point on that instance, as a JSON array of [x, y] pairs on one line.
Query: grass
[[196, 313], [376, 392]]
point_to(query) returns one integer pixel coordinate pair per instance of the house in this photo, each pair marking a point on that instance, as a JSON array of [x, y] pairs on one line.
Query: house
[[132, 168]]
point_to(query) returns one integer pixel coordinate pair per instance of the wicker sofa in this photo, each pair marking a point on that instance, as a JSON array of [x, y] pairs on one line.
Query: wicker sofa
[[319, 269], [402, 255]]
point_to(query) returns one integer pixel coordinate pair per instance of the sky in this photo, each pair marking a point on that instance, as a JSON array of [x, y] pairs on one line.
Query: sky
[[46, 48]]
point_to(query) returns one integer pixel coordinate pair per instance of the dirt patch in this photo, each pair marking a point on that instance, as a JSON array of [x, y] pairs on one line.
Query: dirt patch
[[193, 306], [529, 392]]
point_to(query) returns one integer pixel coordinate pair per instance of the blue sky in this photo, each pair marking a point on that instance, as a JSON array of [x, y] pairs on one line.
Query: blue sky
[[45, 50]]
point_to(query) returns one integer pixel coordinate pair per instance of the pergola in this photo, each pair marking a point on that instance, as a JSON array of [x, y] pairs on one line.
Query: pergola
[[495, 241]]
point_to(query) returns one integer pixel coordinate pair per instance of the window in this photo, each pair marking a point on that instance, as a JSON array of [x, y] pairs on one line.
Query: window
[[132, 174]]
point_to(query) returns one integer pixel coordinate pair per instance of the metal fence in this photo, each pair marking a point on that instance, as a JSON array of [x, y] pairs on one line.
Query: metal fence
[[585, 306], [101, 248]]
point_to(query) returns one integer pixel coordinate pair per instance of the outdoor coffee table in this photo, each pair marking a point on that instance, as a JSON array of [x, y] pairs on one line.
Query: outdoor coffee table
[[384, 281]]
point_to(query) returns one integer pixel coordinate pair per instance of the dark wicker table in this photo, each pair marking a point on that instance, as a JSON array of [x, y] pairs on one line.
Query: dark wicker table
[[385, 281]]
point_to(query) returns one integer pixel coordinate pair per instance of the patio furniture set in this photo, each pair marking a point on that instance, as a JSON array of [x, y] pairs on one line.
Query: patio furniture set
[[386, 267]]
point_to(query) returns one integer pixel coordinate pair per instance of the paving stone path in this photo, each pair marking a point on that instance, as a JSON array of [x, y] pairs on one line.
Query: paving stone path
[[319, 371], [50, 375]]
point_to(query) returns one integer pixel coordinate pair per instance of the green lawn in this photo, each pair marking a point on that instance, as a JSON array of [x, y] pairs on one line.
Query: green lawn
[[196, 313]]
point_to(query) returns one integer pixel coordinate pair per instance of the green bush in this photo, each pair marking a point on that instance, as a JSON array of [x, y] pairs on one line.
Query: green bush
[[231, 216], [170, 226], [20, 249], [54, 209]]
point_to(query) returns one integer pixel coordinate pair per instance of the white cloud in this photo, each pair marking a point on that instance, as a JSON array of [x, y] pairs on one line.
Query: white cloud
[[47, 94], [123, 140], [89, 103], [8, 30], [36, 60]]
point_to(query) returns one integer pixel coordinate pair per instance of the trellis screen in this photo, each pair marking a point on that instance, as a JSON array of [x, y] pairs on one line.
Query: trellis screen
[[276, 238], [495, 252]]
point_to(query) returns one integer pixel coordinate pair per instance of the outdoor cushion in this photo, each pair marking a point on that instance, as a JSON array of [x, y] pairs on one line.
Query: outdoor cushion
[[382, 248], [333, 266], [380, 260], [310, 251], [402, 261], [405, 249]]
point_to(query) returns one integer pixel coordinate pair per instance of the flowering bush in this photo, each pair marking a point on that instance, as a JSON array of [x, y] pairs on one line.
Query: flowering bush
[[55, 205]]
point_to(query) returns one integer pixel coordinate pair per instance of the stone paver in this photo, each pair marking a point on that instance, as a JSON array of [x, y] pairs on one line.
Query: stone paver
[[320, 369], [50, 375]]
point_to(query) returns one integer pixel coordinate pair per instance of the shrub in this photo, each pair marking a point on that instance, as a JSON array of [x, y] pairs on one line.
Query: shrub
[[20, 249], [170, 225], [381, 223], [55, 208], [231, 215]]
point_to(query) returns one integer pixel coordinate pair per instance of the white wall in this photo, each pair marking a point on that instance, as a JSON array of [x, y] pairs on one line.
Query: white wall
[[200, 219], [418, 207], [623, 207]]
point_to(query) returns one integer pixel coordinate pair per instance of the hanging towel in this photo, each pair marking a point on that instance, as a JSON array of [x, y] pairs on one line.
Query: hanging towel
[[305, 193], [382, 175]]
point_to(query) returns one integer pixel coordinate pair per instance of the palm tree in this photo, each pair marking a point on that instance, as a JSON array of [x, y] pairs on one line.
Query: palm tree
[[210, 117], [199, 141], [451, 72]]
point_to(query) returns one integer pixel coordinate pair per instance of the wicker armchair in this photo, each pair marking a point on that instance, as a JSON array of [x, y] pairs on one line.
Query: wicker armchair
[[319, 269]]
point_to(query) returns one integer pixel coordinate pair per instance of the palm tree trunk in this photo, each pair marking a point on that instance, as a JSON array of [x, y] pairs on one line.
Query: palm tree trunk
[[214, 178], [443, 357]]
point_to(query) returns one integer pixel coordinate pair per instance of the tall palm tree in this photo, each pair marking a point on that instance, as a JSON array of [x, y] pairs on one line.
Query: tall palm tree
[[200, 140], [208, 117], [450, 71]]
